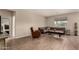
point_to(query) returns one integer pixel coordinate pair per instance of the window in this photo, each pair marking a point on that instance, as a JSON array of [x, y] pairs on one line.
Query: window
[[60, 22]]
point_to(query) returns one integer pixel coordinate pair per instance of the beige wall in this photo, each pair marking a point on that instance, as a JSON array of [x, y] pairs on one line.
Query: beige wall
[[71, 17], [24, 21]]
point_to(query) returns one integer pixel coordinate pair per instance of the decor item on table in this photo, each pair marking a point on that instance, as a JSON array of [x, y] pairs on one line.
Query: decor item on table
[[75, 29], [35, 33]]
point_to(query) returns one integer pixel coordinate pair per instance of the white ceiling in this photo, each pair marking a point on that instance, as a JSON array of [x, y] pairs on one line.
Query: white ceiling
[[48, 12]]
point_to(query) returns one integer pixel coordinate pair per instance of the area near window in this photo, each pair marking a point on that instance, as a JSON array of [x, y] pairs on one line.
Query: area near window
[[62, 22]]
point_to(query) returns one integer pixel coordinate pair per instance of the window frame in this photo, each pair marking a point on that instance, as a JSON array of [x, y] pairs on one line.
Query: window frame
[[60, 19]]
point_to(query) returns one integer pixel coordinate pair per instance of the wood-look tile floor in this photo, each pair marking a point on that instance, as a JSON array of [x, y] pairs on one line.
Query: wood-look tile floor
[[45, 42]]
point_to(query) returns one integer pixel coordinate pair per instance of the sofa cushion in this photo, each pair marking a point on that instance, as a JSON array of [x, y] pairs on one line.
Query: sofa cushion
[[59, 31]]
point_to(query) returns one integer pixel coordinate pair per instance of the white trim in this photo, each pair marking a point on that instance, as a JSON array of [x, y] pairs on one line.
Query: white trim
[[13, 26]]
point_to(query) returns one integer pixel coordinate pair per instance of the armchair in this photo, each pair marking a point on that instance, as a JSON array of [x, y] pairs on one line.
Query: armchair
[[35, 34]]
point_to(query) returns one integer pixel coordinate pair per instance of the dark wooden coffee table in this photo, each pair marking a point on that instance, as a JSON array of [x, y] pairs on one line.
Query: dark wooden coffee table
[[3, 37]]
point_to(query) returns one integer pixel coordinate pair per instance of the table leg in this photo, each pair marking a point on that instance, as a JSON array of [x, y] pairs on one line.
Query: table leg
[[4, 44], [59, 35]]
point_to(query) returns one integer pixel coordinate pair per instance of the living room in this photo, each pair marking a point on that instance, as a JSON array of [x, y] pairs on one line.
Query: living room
[[39, 29], [21, 21]]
